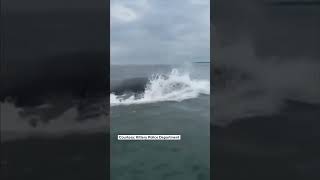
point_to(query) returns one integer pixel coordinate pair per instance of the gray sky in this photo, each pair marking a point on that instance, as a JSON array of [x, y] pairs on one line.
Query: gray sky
[[160, 31]]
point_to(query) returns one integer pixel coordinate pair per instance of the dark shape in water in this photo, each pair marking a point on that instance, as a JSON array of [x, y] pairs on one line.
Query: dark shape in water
[[133, 85], [77, 75]]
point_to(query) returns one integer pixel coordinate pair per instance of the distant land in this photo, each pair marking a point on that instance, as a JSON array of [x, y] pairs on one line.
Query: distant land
[[202, 62]]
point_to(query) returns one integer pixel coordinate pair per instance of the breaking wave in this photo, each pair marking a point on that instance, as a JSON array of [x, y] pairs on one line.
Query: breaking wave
[[174, 86], [252, 86]]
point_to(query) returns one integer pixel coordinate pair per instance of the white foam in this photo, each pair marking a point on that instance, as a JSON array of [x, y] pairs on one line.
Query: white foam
[[176, 86], [272, 81], [14, 126]]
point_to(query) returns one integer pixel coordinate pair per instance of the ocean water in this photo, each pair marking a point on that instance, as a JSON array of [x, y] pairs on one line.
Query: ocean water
[[174, 100]]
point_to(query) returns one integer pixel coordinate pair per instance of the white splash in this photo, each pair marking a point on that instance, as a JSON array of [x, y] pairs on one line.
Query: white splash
[[176, 86], [14, 126]]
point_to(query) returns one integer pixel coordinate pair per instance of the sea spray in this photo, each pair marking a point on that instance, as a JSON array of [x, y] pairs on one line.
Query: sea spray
[[174, 86]]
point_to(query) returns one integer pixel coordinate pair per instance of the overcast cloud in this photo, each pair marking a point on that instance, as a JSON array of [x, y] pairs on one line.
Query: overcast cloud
[[160, 31]]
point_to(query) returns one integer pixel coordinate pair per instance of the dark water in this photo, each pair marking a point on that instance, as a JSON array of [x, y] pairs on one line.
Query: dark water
[[190, 117]]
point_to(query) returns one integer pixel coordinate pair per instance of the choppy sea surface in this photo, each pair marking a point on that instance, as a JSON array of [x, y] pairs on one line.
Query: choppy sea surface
[[174, 100]]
